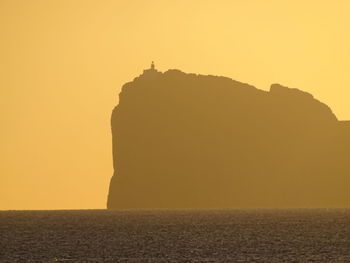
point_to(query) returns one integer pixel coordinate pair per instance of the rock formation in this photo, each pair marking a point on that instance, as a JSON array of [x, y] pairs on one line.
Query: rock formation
[[193, 141]]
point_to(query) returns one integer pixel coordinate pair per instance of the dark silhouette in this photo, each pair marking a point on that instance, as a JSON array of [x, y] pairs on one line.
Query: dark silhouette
[[193, 141]]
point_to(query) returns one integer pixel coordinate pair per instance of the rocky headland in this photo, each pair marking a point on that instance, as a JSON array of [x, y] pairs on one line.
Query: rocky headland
[[193, 141]]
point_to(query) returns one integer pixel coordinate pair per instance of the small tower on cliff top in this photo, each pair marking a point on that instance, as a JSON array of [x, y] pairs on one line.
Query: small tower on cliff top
[[151, 71]]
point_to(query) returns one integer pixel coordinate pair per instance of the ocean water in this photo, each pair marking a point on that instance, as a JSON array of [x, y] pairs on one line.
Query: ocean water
[[314, 235]]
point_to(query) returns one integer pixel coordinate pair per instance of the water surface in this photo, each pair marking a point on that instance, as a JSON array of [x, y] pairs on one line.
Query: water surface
[[314, 235]]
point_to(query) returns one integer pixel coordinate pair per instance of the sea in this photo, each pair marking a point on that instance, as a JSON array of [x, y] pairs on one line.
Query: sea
[[261, 235]]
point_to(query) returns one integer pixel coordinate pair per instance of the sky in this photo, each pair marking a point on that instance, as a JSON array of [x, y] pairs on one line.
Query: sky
[[63, 63]]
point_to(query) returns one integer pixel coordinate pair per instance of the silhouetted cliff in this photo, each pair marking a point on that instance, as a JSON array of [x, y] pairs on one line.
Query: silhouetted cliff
[[193, 141]]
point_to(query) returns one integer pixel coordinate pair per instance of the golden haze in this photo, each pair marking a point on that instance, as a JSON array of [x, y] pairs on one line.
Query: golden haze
[[63, 64]]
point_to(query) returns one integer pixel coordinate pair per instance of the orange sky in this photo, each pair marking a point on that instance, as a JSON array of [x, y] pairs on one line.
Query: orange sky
[[62, 64]]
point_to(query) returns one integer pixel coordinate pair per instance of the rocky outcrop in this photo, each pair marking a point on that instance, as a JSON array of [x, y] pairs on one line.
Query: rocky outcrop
[[192, 141]]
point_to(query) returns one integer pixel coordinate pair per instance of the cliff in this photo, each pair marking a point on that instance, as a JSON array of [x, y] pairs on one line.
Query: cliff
[[192, 141]]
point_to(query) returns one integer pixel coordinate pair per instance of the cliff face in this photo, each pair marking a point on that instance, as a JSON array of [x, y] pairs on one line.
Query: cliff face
[[192, 141]]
